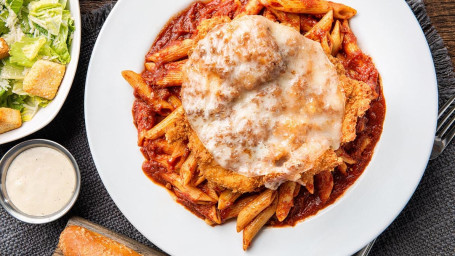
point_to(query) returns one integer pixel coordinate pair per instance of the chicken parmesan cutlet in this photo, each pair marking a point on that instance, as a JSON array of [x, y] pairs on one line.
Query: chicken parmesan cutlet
[[263, 100]]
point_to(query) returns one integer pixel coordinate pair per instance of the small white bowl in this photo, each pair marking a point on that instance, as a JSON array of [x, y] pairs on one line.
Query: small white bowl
[[45, 115], [6, 161]]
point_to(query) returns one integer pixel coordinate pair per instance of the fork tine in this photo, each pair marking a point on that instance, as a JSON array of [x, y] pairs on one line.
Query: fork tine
[[442, 123], [445, 122], [450, 136], [446, 106]]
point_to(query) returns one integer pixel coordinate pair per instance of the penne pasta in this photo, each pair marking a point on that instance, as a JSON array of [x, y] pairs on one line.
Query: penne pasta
[[192, 193], [252, 7], [227, 198], [253, 228], [150, 66], [160, 129], [320, 30], [363, 145], [310, 185], [178, 156], [349, 44], [325, 185], [343, 168], [297, 189], [163, 160], [173, 52], [307, 22], [173, 74], [289, 19], [269, 15], [345, 157], [348, 159], [199, 180], [336, 37], [341, 11], [285, 199], [326, 45], [175, 101], [209, 222], [234, 210], [163, 145], [298, 6], [214, 215], [247, 214], [143, 90], [137, 82], [188, 169], [211, 191]]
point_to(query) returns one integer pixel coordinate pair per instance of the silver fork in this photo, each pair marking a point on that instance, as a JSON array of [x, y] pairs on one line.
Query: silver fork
[[444, 134]]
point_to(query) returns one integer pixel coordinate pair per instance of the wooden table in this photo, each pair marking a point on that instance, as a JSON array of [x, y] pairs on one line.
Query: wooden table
[[441, 12], [442, 15]]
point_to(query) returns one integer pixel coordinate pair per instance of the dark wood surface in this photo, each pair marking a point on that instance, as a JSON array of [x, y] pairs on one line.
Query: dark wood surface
[[442, 15], [88, 5], [441, 12]]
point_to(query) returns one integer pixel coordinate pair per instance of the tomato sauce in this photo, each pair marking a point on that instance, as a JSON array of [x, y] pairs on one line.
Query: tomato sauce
[[369, 127]]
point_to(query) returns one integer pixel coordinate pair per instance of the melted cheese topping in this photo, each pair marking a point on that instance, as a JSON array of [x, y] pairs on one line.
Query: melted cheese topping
[[263, 99]]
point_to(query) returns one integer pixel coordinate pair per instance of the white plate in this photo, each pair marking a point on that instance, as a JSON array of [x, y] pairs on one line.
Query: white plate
[[45, 115], [402, 56]]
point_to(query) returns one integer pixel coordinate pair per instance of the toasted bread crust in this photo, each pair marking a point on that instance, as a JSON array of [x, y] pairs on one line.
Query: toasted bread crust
[[79, 241]]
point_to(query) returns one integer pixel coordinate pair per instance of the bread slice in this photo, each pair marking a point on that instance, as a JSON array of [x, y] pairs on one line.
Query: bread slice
[[10, 119], [44, 79], [4, 49], [76, 240]]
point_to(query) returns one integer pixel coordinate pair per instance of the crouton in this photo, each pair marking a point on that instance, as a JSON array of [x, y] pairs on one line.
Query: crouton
[[10, 119], [44, 79], [4, 49]]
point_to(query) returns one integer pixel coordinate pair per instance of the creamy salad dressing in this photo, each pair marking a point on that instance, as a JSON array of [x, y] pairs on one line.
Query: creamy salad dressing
[[263, 99], [40, 181]]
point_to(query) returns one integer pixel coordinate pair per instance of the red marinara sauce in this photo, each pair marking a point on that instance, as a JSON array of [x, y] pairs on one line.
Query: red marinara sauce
[[369, 127]]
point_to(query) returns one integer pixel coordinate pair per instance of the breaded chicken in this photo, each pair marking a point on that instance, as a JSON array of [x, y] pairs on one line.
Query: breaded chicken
[[181, 131], [358, 98]]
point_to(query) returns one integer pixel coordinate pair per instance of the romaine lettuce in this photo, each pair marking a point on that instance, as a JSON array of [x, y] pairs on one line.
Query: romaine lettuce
[[31, 106], [59, 44], [3, 16], [4, 85], [33, 29], [11, 100], [15, 5], [24, 52], [12, 71], [15, 98], [18, 88], [47, 14]]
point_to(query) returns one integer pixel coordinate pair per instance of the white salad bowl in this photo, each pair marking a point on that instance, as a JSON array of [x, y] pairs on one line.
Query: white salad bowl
[[45, 115]]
